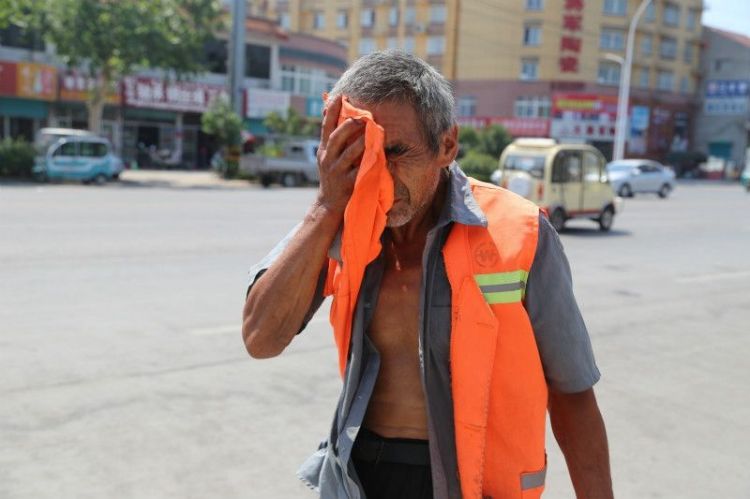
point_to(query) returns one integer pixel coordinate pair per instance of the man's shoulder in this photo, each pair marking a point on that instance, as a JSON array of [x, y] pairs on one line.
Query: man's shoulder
[[498, 202]]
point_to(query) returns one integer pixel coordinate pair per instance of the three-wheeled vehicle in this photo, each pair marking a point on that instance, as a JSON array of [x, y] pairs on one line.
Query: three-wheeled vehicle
[[86, 158]]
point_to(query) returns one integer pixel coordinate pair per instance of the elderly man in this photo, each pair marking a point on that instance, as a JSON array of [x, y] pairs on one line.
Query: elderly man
[[465, 330]]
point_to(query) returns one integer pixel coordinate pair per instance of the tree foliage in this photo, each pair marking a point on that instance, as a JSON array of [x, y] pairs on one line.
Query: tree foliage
[[113, 38], [222, 122], [482, 149], [293, 124]]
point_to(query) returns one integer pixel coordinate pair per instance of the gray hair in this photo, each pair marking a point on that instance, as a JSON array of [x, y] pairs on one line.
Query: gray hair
[[396, 76]]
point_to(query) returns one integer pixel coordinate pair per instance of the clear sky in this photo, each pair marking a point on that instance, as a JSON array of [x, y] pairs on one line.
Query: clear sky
[[732, 15]]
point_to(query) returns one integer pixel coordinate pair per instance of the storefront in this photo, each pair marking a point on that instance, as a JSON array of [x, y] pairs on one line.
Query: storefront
[[26, 91], [259, 103], [161, 123]]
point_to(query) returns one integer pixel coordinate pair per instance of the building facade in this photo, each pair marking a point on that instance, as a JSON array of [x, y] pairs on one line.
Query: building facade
[[540, 67], [151, 117], [723, 122]]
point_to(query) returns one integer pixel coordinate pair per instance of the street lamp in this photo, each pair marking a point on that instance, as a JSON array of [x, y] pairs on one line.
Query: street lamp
[[623, 95]]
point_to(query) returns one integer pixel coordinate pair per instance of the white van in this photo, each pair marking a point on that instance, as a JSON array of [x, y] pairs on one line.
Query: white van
[[566, 180]]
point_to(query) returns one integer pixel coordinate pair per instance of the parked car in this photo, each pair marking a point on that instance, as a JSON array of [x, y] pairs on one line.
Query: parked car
[[296, 165], [87, 158], [567, 180], [745, 178], [47, 136], [635, 176]]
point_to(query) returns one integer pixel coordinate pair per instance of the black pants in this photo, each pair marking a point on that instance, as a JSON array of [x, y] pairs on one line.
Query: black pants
[[392, 468]]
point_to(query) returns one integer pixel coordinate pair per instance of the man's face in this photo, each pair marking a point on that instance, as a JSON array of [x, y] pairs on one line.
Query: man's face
[[415, 169]]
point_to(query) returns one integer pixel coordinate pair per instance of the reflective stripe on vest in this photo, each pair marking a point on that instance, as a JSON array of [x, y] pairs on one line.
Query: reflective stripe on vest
[[503, 287]]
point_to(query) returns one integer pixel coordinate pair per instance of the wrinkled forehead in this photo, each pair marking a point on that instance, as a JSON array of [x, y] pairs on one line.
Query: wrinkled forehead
[[399, 120]]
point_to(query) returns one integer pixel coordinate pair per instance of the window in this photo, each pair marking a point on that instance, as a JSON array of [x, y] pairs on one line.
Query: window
[[319, 20], [342, 19], [467, 106], [665, 80], [68, 149], [532, 107], [409, 44], [437, 14], [529, 69], [534, 4], [532, 35], [393, 17], [687, 52], [392, 43], [647, 45], [366, 46], [284, 20], [644, 80], [435, 45], [616, 7], [93, 149], [692, 19], [367, 18], [215, 56], [257, 61], [609, 73], [305, 81], [668, 48], [567, 167], [612, 39], [684, 85], [18, 37], [650, 14], [671, 14], [410, 16], [592, 167]]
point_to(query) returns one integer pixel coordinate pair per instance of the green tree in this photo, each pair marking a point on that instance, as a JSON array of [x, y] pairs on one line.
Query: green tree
[[112, 38], [468, 137], [222, 122], [492, 140], [293, 124]]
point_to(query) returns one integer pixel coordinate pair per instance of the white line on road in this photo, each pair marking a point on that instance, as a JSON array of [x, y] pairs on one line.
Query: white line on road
[[714, 277]]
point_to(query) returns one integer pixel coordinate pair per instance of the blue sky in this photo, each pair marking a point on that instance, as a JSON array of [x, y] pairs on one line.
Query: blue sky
[[732, 15]]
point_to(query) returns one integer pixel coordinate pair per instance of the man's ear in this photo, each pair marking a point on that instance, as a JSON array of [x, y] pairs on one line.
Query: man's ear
[[449, 146]]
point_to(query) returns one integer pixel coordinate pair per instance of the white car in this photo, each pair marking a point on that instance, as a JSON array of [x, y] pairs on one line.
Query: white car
[[634, 176]]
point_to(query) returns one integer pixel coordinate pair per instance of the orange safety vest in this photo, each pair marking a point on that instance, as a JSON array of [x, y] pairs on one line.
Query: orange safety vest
[[498, 386]]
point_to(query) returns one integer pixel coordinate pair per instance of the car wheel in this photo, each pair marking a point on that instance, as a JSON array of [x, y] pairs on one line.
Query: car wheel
[[606, 218], [625, 191], [100, 179], [290, 180], [557, 219], [664, 191], [266, 180]]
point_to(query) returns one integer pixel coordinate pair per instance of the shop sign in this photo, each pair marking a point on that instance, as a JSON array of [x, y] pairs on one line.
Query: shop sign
[[727, 97], [261, 102], [570, 40], [8, 78], [586, 107], [36, 81], [76, 86], [582, 130], [517, 127], [639, 119], [154, 93]]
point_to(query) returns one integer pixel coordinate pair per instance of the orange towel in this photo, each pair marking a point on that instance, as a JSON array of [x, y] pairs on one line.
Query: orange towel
[[364, 223]]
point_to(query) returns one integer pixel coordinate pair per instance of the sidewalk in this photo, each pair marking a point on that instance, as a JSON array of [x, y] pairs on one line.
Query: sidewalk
[[179, 179]]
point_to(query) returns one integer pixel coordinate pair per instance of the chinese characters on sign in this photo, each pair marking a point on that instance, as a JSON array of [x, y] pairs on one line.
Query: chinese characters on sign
[[570, 42], [727, 97], [581, 116], [76, 86], [36, 81], [172, 96], [517, 127]]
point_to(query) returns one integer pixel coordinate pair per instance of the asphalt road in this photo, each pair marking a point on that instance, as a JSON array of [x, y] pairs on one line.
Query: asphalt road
[[124, 375]]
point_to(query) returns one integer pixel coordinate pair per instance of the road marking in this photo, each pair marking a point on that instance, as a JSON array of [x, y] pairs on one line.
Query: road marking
[[237, 328], [714, 277]]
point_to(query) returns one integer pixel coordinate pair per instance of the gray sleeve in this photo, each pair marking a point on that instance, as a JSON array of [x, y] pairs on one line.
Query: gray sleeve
[[257, 271], [561, 335]]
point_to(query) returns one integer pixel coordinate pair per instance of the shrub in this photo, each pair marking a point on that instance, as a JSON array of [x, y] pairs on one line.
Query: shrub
[[479, 165], [16, 158]]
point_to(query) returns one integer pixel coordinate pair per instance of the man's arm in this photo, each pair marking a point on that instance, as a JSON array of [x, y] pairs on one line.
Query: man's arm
[[579, 430], [276, 305]]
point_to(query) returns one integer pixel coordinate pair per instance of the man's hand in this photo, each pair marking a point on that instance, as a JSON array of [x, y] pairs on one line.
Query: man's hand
[[579, 430], [339, 154]]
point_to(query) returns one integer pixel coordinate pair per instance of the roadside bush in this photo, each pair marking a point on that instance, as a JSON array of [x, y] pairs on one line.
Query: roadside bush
[[16, 158], [479, 165]]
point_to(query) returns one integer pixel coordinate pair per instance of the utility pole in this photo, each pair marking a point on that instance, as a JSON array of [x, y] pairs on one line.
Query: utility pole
[[237, 56], [623, 97]]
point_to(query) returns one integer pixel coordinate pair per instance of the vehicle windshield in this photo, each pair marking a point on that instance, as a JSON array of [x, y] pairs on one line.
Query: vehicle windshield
[[532, 164], [619, 167]]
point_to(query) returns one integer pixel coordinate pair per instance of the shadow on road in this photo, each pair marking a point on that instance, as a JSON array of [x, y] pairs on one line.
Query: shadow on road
[[594, 232]]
